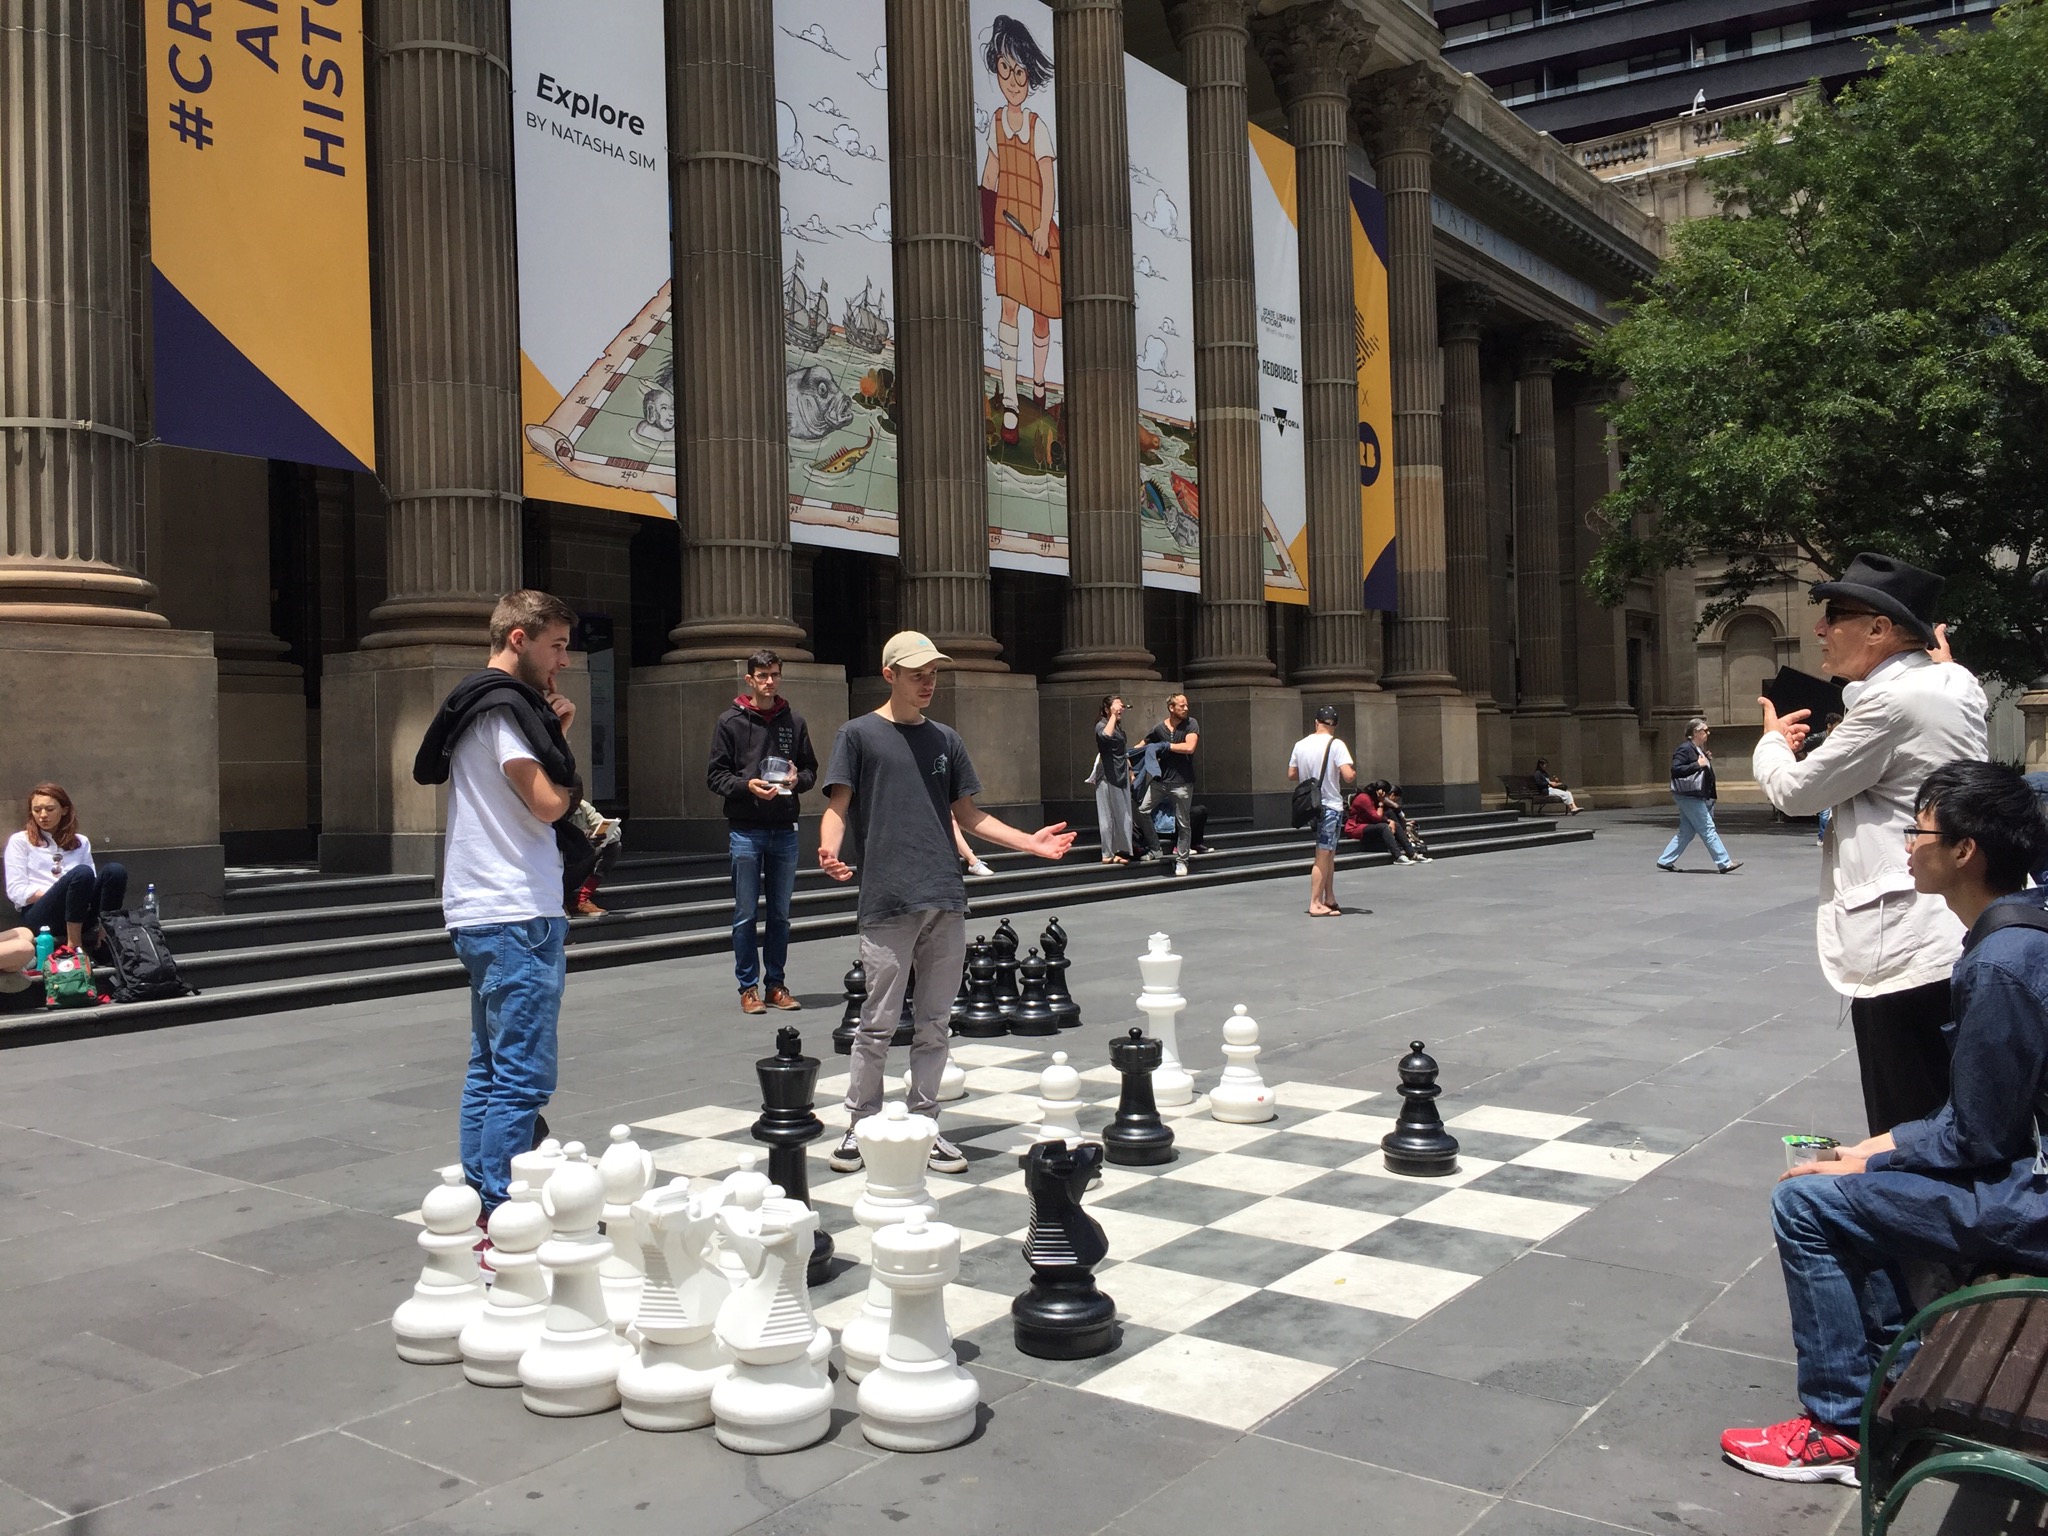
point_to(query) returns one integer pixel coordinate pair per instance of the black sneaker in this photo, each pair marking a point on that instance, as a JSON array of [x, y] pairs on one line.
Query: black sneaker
[[945, 1158], [846, 1156]]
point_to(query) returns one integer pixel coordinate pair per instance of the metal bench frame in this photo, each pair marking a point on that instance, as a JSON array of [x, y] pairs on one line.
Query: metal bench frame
[[1951, 1457]]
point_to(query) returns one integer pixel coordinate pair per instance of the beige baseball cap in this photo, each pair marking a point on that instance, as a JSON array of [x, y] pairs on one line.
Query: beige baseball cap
[[907, 648]]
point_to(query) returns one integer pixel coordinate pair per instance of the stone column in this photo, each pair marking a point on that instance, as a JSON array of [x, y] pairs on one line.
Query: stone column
[[942, 466], [1236, 698], [1465, 313], [1540, 714], [1104, 649], [2034, 708], [73, 617], [1610, 734], [732, 426], [441, 93]]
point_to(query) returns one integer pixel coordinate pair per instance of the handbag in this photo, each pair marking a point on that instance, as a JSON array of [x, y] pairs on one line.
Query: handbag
[[1694, 783], [1308, 797]]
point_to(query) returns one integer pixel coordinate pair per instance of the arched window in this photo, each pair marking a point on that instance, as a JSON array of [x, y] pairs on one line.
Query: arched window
[[1749, 659]]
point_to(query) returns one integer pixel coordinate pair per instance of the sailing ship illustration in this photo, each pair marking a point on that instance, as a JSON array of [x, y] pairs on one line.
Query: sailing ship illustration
[[806, 316], [865, 325]]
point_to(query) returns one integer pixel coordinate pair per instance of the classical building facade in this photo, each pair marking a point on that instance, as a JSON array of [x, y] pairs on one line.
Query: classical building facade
[[231, 660]]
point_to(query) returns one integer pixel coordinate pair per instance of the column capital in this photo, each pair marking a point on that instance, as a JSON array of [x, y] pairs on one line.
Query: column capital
[[1398, 111], [1465, 308], [1538, 348], [1185, 18], [1317, 49]]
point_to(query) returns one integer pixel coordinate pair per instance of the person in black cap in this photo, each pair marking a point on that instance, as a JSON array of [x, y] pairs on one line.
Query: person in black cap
[[1319, 758], [1905, 714]]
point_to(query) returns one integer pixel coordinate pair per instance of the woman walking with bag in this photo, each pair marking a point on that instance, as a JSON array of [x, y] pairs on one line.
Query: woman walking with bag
[[1692, 786], [1112, 779]]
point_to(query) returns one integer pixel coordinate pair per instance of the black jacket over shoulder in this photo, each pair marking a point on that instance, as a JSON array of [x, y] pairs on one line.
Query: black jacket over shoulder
[[1683, 762], [740, 741]]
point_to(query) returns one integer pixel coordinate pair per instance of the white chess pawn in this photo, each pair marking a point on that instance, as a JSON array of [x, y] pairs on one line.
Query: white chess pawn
[[1059, 1101], [745, 1180], [1161, 1002], [952, 1081], [919, 1397], [495, 1338], [1242, 1098], [573, 1367], [776, 1397], [668, 1384], [894, 1149], [628, 1170], [450, 1290]]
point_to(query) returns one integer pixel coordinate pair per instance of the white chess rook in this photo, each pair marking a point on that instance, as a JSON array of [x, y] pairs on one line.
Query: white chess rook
[[628, 1173], [1242, 1098], [1161, 1002], [777, 1398], [919, 1397], [450, 1290], [517, 1304], [573, 1367], [894, 1148], [668, 1384]]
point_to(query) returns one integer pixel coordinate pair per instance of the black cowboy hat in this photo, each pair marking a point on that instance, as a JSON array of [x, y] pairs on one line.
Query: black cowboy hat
[[1903, 593]]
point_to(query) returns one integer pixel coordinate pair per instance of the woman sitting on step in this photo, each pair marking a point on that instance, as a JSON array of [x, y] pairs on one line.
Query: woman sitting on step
[[50, 874]]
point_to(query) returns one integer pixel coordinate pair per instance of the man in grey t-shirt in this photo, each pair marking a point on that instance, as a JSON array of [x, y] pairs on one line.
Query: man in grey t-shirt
[[905, 780]]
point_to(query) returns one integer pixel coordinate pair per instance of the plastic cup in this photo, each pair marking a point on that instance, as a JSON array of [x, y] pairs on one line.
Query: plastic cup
[[778, 771], [1801, 1150]]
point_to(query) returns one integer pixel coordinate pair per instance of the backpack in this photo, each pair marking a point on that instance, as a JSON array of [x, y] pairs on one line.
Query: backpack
[[67, 983], [142, 963]]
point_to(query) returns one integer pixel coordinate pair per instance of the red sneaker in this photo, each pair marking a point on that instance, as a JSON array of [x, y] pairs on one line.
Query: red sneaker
[[483, 1260], [1796, 1451]]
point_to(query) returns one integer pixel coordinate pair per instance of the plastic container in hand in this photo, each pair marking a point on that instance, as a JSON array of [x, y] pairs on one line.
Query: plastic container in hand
[[778, 771]]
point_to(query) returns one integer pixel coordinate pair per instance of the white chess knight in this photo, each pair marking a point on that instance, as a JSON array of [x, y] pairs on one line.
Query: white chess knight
[[1059, 1102], [894, 1148], [628, 1171], [1242, 1098], [450, 1290], [952, 1081], [668, 1384], [573, 1367], [919, 1397], [776, 1398], [510, 1322], [748, 1180], [1161, 1002]]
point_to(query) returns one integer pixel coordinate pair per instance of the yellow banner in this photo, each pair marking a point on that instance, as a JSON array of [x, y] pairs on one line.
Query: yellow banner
[[1375, 392], [259, 228]]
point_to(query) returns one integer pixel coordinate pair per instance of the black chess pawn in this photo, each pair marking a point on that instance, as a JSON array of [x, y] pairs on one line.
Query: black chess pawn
[[1418, 1144], [906, 1024], [1033, 1014], [983, 1019], [1137, 1137], [787, 1124], [849, 1020], [1053, 942], [1062, 1316], [1005, 946]]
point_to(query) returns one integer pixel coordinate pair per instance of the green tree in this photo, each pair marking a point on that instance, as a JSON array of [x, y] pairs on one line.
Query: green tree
[[1856, 355]]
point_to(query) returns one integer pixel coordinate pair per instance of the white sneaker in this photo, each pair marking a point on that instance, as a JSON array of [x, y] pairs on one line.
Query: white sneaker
[[1180, 868], [979, 870], [1402, 858]]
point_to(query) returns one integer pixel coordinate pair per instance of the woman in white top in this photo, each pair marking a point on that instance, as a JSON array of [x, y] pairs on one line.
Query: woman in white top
[[50, 873]]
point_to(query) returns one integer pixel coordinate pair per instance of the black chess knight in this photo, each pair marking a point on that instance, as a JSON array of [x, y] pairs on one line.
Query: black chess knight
[[1418, 1144], [788, 1125], [1063, 1316]]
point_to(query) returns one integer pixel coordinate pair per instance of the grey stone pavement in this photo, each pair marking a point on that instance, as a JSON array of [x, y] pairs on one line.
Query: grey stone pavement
[[199, 1258]]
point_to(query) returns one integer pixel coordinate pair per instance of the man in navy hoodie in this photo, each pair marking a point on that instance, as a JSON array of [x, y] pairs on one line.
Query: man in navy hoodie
[[761, 816]]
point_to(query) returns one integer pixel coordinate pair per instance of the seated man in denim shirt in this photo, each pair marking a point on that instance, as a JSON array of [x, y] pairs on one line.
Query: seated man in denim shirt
[[1967, 1187]]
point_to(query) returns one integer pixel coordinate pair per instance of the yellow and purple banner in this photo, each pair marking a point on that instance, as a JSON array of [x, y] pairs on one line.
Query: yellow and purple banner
[[1375, 392], [259, 229]]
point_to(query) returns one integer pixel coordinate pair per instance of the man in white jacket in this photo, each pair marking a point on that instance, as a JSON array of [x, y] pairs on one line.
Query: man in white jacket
[[1882, 945]]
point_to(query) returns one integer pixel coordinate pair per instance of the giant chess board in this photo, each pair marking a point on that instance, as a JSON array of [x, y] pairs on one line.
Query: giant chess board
[[1262, 1260]]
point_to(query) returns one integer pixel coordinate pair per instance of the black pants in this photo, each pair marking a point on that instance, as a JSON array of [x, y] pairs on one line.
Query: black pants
[[1388, 836], [79, 896], [1902, 1054]]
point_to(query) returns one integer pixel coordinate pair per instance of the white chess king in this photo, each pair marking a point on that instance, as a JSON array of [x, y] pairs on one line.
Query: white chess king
[[919, 1397], [1161, 1002], [450, 1290], [1242, 1098]]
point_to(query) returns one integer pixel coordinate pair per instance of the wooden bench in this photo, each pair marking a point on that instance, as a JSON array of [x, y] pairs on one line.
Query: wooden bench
[[1517, 788], [1972, 1403]]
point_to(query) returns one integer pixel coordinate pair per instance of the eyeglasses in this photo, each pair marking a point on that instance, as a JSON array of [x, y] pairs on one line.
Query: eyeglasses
[[1916, 831], [1834, 614], [766, 677]]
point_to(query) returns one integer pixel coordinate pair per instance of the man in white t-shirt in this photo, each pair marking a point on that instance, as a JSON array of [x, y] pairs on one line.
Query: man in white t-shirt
[[499, 745], [1320, 758]]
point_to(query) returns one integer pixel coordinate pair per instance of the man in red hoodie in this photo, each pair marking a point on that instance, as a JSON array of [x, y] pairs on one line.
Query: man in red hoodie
[[761, 761]]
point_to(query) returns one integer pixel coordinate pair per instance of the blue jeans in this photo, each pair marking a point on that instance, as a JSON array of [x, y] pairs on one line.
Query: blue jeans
[[763, 863], [1846, 1292], [517, 972], [1695, 820], [79, 896]]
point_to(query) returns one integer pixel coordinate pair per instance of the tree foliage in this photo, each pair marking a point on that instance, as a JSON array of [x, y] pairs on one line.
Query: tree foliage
[[1855, 356]]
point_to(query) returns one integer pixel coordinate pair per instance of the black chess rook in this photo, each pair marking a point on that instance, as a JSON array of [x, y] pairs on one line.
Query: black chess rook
[[983, 1019], [1418, 1144], [1137, 1137], [1033, 1014], [788, 1124], [1062, 1315]]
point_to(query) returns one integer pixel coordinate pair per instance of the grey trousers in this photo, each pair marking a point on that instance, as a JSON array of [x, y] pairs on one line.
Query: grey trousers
[[934, 944], [1113, 816]]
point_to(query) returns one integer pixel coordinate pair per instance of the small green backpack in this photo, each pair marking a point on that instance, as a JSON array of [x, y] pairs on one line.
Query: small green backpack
[[67, 983]]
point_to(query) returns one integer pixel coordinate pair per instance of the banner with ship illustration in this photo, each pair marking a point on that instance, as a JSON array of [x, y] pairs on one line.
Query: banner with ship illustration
[[590, 162]]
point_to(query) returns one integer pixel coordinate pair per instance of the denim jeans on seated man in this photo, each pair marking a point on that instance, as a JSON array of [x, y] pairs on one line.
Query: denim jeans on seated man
[[517, 974], [763, 864]]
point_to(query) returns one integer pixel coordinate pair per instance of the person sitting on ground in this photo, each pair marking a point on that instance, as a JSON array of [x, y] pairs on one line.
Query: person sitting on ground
[[1547, 788], [1366, 820], [50, 874], [606, 839], [1961, 1190], [1391, 808]]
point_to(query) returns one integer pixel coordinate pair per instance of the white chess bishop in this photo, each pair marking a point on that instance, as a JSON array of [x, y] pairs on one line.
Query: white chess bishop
[[1161, 1003], [450, 1290], [919, 1397], [895, 1147], [776, 1398], [573, 1367], [510, 1322], [1242, 1098], [667, 1385], [628, 1171]]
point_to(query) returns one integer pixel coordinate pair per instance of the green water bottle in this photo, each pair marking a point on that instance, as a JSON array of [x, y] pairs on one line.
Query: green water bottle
[[44, 944]]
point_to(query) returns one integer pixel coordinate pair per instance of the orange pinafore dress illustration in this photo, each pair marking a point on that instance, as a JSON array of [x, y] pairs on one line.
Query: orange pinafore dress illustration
[[1032, 280]]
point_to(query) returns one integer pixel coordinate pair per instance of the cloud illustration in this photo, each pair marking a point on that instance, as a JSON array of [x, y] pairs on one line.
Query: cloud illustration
[[847, 137], [828, 106], [878, 77], [1143, 267], [877, 229], [789, 138], [1163, 216], [1170, 396], [1167, 327], [815, 36], [1152, 358], [811, 230]]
